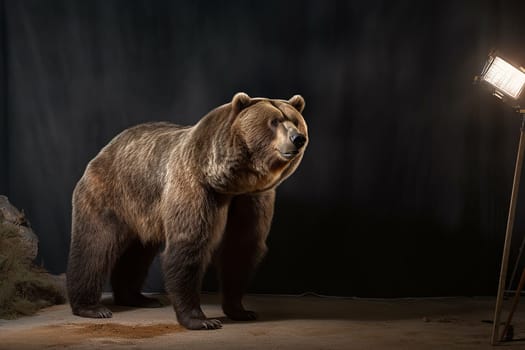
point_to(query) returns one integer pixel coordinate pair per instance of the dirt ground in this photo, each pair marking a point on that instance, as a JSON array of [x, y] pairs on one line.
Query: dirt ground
[[284, 323]]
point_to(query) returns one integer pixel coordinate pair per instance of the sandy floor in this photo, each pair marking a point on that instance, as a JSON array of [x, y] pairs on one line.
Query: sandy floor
[[285, 323]]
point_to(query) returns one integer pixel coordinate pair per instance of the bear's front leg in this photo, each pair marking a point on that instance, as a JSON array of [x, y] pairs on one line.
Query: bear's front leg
[[193, 232], [183, 266], [242, 247]]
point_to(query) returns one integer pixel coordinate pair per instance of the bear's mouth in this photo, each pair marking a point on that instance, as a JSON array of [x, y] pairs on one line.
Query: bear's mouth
[[289, 154]]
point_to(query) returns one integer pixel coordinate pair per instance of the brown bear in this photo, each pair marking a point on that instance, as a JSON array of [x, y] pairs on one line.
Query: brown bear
[[206, 192]]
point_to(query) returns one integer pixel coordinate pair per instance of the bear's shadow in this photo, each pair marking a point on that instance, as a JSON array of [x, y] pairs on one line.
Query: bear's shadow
[[272, 308]]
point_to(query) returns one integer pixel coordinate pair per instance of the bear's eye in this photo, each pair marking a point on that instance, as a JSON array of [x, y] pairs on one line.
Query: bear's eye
[[274, 122]]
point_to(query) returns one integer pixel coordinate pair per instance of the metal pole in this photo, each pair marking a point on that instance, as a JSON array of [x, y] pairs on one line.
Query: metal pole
[[508, 234]]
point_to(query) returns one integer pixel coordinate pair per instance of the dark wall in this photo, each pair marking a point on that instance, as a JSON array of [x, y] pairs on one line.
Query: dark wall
[[4, 186], [404, 188]]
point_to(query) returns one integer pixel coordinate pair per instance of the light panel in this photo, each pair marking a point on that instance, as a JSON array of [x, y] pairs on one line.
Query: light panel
[[504, 77]]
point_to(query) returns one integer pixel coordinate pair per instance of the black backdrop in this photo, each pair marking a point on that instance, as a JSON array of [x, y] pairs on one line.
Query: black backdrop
[[405, 185]]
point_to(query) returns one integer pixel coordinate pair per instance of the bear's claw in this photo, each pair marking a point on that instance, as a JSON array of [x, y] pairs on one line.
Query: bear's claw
[[212, 324], [94, 311]]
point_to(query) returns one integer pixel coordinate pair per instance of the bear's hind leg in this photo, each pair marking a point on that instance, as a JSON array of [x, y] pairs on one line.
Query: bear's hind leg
[[92, 253], [129, 274], [242, 247]]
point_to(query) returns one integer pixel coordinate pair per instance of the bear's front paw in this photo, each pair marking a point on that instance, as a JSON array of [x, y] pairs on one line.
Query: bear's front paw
[[198, 323]]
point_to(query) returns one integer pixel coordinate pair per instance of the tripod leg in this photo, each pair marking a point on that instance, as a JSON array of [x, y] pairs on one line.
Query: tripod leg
[[508, 234], [518, 259], [514, 306]]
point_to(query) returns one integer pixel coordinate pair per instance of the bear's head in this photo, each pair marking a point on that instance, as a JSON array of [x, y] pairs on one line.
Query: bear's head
[[273, 134]]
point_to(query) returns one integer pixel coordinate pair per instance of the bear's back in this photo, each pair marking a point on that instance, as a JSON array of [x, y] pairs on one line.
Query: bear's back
[[128, 175], [139, 148]]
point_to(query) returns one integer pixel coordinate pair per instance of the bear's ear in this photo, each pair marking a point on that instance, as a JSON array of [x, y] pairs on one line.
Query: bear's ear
[[240, 101], [297, 101]]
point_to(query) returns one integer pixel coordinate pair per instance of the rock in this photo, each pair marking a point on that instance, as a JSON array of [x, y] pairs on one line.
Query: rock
[[10, 213], [13, 219]]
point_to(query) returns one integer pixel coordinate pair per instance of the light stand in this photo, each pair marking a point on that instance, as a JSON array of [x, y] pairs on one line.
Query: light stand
[[508, 234], [506, 82]]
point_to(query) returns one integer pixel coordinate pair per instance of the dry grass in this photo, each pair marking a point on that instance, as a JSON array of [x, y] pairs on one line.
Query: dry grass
[[24, 287]]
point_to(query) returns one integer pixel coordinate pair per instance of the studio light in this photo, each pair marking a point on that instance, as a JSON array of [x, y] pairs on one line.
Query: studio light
[[506, 79], [507, 83]]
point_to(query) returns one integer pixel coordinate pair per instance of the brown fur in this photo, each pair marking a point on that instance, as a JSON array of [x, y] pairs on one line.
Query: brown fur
[[205, 190]]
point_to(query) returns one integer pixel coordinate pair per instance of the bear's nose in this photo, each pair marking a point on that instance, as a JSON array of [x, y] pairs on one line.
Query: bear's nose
[[298, 140]]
